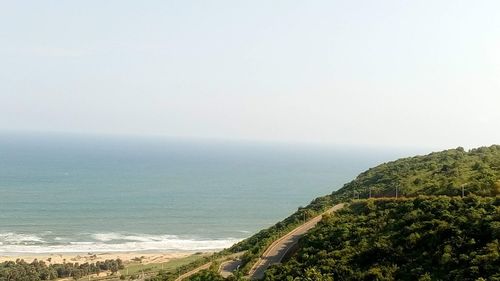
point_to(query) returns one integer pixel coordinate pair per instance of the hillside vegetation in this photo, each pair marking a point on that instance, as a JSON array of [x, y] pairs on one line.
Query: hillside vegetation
[[423, 238], [440, 173]]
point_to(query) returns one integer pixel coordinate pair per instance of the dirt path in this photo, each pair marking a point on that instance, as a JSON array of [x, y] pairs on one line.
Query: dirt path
[[223, 269], [192, 272], [275, 253]]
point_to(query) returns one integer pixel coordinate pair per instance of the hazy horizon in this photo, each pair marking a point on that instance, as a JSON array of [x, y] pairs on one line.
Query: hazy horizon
[[404, 150]]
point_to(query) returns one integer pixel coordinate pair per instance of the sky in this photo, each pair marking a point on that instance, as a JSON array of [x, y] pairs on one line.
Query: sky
[[379, 73]]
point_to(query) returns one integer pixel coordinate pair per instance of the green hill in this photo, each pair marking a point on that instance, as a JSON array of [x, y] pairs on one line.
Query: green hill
[[416, 237], [423, 238], [441, 173]]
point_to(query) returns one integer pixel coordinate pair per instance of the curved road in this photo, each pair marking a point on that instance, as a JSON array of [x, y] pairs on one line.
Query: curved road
[[278, 249], [227, 268]]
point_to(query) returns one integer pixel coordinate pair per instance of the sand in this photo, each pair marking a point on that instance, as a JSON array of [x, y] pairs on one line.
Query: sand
[[94, 257]]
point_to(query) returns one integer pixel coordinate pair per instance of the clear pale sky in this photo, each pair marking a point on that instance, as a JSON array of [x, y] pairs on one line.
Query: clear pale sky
[[384, 73]]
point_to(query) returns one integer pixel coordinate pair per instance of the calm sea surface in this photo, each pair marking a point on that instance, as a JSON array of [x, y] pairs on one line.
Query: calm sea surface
[[85, 194]]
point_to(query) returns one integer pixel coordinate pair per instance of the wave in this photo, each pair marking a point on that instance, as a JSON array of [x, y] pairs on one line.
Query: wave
[[109, 242], [19, 238], [107, 237]]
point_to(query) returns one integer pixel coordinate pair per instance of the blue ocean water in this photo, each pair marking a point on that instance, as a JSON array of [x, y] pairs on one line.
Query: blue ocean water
[[61, 193]]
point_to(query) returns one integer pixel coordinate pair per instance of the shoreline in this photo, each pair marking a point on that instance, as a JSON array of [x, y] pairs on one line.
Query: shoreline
[[144, 257]]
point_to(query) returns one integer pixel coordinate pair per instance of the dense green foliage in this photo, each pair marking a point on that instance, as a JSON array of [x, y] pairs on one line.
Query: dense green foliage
[[423, 238], [206, 275], [39, 270], [441, 173]]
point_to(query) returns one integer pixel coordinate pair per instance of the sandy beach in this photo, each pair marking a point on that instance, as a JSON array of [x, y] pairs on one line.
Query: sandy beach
[[145, 258]]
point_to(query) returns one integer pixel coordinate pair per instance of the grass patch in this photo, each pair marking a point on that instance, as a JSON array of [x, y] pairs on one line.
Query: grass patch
[[170, 266]]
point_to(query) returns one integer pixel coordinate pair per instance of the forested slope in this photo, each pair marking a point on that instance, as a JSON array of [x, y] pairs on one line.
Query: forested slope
[[423, 238], [440, 173]]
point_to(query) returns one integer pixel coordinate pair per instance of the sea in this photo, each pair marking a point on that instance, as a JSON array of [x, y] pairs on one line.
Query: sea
[[85, 194]]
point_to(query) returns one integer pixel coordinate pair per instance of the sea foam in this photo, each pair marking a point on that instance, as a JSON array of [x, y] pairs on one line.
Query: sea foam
[[19, 238], [110, 242]]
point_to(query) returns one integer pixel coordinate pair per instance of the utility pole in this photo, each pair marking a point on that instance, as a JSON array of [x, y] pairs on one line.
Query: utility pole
[[355, 195], [396, 191]]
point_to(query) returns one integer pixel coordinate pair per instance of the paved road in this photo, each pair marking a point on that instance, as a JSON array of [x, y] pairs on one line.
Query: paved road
[[278, 249], [227, 268]]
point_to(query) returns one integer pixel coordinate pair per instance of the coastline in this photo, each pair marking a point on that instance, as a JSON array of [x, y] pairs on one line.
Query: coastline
[[126, 257]]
